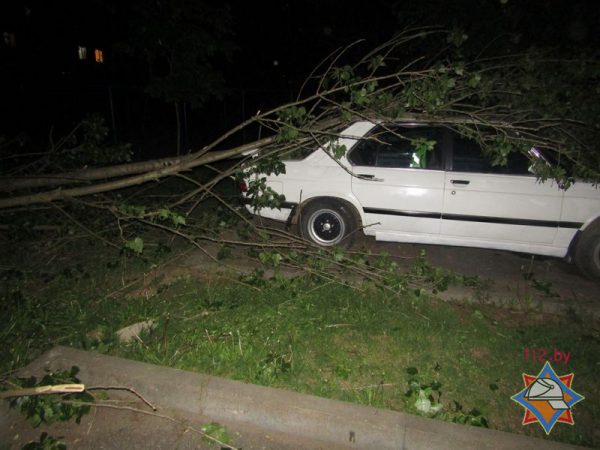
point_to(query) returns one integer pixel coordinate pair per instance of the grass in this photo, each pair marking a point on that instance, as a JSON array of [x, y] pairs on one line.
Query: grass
[[323, 339]]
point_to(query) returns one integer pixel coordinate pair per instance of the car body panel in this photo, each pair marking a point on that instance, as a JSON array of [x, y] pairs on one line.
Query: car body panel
[[487, 210], [582, 204], [493, 206], [400, 199]]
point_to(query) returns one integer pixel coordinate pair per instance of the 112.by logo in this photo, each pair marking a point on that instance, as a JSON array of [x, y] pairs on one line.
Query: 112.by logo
[[542, 355], [547, 398]]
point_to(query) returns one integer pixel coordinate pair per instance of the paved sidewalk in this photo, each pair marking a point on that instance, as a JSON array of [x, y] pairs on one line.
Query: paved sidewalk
[[257, 417]]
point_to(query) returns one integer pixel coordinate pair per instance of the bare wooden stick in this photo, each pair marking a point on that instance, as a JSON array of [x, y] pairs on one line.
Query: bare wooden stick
[[44, 390]]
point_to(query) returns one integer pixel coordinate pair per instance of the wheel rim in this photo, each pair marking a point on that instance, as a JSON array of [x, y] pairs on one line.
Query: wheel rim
[[326, 227]]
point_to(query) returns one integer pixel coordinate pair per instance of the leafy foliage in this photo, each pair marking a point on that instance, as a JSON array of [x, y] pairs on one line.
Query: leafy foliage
[[47, 409], [87, 144], [45, 442], [91, 147], [260, 194], [292, 118], [425, 398], [270, 258], [173, 217], [507, 103], [422, 146]]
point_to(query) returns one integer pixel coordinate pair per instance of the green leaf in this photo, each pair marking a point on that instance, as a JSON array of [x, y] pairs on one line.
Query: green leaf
[[338, 254], [337, 150], [178, 219], [48, 413], [271, 258], [216, 431], [477, 315], [422, 146], [474, 81], [36, 420], [132, 210], [167, 214], [457, 37], [287, 134], [277, 258], [135, 245], [376, 62], [46, 442], [163, 213]]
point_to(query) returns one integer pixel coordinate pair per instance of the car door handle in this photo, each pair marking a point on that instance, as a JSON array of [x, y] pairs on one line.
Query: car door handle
[[368, 176], [460, 182]]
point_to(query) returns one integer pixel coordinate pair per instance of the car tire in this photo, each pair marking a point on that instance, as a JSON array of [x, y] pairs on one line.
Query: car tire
[[587, 252], [328, 223]]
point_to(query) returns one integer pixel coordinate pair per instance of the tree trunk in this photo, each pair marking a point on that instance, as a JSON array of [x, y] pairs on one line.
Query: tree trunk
[[178, 126], [161, 170], [9, 184]]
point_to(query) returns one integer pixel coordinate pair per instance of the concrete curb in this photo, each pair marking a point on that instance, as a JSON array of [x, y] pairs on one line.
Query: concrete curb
[[335, 422]]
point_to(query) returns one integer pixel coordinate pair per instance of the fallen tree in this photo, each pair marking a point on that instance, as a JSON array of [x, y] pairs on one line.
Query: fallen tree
[[506, 103]]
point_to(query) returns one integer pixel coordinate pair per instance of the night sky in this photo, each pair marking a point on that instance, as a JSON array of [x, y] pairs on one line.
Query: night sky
[[271, 48]]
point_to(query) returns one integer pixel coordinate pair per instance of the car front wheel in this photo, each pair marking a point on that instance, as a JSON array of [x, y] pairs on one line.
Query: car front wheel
[[327, 223]]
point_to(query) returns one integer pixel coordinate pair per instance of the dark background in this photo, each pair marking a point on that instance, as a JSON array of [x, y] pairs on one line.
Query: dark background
[[270, 49]]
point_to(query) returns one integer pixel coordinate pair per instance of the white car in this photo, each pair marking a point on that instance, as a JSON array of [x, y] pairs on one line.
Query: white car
[[450, 195]]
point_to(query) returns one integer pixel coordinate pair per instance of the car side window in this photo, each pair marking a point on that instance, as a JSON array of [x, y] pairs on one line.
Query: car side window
[[467, 156], [399, 147]]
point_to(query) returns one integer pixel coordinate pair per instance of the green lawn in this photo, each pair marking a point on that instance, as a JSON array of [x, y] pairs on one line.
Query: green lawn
[[369, 346]]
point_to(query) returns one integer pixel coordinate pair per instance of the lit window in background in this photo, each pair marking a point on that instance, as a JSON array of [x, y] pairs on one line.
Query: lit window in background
[[98, 55], [82, 52], [9, 39]]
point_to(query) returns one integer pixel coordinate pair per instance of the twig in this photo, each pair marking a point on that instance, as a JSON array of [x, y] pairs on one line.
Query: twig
[[122, 388], [140, 278], [370, 386], [152, 414], [86, 229]]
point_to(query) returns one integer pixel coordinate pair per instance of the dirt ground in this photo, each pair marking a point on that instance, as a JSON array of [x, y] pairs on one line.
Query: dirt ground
[[507, 279]]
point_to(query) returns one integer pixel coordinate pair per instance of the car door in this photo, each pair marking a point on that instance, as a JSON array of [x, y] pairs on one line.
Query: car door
[[400, 186], [497, 205]]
